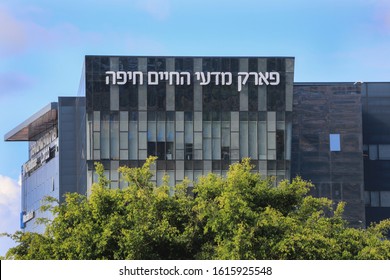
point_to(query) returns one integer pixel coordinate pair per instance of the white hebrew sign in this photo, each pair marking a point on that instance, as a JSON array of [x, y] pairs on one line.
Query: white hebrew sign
[[184, 78]]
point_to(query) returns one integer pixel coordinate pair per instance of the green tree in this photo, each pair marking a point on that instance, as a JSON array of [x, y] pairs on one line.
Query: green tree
[[242, 216]]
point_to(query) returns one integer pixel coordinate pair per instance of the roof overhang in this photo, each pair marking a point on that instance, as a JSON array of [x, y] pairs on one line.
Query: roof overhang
[[34, 126]]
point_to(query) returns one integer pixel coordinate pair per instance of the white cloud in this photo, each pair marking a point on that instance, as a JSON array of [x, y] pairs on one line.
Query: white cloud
[[9, 210]]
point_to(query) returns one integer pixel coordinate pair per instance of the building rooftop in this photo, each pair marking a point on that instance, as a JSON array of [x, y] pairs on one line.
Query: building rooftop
[[31, 129]]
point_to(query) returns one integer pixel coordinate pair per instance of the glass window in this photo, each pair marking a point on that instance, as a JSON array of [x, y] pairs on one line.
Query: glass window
[[161, 131], [142, 121], [373, 152], [384, 152], [180, 140], [262, 140], [114, 139], [271, 139], [124, 119], [179, 121], [367, 198], [280, 144], [184, 97], [188, 151], [216, 148], [105, 137], [225, 134], [252, 140], [216, 129], [271, 120], [170, 131], [225, 153], [385, 199], [244, 139], [161, 154], [114, 98], [142, 140], [198, 140], [375, 199], [124, 141], [152, 149], [207, 148], [189, 137], [124, 154], [334, 141], [152, 131], [96, 140], [170, 150], [114, 170], [133, 140], [96, 120]]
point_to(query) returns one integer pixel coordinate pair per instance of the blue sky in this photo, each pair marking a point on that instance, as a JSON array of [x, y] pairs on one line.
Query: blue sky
[[43, 42]]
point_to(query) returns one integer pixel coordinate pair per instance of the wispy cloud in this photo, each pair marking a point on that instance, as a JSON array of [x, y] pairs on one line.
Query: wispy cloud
[[159, 9], [14, 82], [382, 16], [18, 35], [9, 210], [13, 33]]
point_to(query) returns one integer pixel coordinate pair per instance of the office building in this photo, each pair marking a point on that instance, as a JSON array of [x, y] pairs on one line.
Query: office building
[[199, 115]]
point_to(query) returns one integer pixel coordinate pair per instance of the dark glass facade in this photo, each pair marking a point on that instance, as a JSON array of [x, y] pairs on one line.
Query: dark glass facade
[[376, 150], [198, 115]]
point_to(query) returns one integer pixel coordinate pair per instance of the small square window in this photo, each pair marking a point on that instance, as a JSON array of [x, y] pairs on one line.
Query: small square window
[[334, 141]]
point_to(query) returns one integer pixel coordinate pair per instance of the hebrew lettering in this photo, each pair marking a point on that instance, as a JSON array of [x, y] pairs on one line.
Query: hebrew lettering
[[121, 77], [241, 81], [263, 78], [140, 77], [153, 78], [113, 77], [226, 78], [200, 75], [187, 76], [184, 78], [255, 76], [275, 78]]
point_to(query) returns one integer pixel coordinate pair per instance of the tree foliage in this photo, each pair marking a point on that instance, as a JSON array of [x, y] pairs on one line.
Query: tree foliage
[[240, 216]]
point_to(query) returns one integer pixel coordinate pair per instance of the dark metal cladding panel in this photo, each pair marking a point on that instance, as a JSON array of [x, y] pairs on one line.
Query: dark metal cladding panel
[[320, 110]]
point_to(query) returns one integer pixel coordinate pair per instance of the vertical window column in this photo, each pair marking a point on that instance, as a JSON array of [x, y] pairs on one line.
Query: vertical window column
[[152, 138], [207, 136], [262, 90], [235, 135], [252, 136], [114, 135], [170, 135], [123, 138], [216, 136], [271, 135], [225, 136], [244, 135], [243, 67], [94, 127], [262, 135], [133, 135], [188, 135], [105, 136], [142, 135], [180, 135], [198, 129]]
